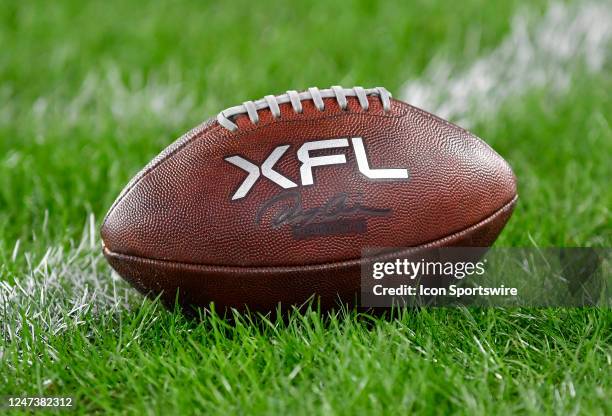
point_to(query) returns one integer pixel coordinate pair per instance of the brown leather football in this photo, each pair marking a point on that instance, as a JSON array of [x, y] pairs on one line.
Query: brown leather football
[[273, 201]]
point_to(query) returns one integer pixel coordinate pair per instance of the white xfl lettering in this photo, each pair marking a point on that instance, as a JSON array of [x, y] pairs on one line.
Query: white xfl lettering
[[308, 163]]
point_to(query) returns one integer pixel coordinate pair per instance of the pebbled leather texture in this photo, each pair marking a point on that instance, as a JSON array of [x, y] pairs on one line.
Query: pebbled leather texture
[[176, 226]]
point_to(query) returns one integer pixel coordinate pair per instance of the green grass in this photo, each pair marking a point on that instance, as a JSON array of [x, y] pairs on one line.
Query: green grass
[[432, 361], [90, 93]]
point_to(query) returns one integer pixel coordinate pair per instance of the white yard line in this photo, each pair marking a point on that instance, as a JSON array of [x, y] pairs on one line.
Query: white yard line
[[539, 53], [59, 288]]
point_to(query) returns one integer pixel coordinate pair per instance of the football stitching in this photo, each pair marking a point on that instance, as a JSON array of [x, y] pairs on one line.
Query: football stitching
[[271, 103], [260, 125]]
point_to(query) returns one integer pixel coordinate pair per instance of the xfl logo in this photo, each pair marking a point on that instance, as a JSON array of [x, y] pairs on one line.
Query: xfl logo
[[308, 163]]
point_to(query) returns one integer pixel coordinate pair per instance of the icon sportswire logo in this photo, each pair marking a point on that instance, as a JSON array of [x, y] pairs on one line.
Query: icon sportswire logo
[[308, 162]]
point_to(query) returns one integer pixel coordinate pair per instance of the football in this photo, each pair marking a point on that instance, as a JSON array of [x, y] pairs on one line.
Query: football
[[273, 201]]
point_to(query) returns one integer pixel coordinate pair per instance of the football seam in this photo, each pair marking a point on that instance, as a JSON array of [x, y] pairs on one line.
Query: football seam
[[315, 266], [341, 113]]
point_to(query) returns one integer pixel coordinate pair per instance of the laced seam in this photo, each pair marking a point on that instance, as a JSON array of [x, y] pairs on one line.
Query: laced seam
[[272, 102]]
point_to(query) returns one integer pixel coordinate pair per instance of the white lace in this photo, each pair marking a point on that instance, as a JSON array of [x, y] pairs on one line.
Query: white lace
[[272, 102]]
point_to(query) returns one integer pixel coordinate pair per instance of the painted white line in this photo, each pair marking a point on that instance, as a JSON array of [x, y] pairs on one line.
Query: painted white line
[[537, 54], [60, 288]]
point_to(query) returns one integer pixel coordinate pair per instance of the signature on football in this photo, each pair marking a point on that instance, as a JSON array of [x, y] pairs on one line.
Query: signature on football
[[287, 209]]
